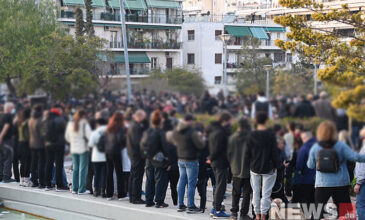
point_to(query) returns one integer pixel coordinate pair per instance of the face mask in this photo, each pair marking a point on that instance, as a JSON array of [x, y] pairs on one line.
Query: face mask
[[13, 111]]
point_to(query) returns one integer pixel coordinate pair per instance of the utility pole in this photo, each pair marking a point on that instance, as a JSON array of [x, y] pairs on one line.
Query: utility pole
[[315, 80], [126, 58]]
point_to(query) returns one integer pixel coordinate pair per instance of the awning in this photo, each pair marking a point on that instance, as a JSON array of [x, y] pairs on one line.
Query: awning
[[259, 32], [275, 29], [68, 23], [73, 2], [134, 57], [129, 4], [237, 31], [153, 27], [71, 23], [98, 3], [163, 4]]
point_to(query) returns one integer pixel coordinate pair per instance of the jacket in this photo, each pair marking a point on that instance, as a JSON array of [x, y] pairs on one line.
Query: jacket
[[96, 155], [305, 175], [114, 143], [188, 142], [60, 127], [218, 144], [360, 170], [134, 136], [341, 178], [78, 144], [35, 137], [237, 147], [262, 152], [324, 109], [304, 110]]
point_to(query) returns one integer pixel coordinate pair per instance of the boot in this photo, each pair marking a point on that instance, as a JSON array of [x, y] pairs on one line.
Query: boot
[[102, 193], [96, 192]]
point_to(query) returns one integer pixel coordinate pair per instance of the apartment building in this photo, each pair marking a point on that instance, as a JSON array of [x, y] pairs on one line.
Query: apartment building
[[153, 33], [203, 48]]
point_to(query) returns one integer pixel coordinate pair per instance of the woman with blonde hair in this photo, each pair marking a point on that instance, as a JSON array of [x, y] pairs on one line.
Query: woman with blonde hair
[[332, 178], [78, 132]]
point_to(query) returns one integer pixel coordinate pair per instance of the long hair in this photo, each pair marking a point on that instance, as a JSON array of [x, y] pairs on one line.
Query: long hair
[[80, 114], [156, 118], [327, 132], [24, 115], [115, 123]]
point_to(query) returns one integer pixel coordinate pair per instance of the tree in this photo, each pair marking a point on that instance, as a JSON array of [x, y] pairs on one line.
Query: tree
[[22, 23], [251, 76], [177, 79], [62, 66], [89, 28], [79, 25], [343, 59]]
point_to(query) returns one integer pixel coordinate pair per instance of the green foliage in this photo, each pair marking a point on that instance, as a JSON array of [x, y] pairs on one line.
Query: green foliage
[[79, 25], [22, 24], [62, 66], [177, 79], [251, 77], [89, 28]]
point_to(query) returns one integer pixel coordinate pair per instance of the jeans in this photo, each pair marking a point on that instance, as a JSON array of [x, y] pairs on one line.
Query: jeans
[[135, 180], [238, 184], [264, 182], [6, 155], [360, 203], [100, 175], [189, 171], [79, 173], [64, 177], [220, 188], [38, 166], [114, 161], [156, 184], [25, 159], [173, 179], [55, 154]]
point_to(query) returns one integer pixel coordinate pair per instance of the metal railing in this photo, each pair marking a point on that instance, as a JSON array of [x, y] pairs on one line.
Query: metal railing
[[145, 45], [227, 19]]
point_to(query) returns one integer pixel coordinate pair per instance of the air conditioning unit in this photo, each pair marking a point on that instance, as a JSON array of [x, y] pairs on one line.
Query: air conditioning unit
[[106, 28]]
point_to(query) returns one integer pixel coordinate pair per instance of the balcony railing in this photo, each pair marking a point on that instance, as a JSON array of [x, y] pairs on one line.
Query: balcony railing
[[144, 45], [233, 65], [107, 16]]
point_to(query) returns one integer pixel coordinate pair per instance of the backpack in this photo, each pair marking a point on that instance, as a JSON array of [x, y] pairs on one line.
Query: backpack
[[48, 130], [149, 143], [101, 143], [262, 106], [327, 161]]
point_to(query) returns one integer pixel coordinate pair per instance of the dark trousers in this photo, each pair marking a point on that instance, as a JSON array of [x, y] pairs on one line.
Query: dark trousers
[[202, 190], [125, 183], [338, 194], [173, 180], [54, 155], [38, 166], [6, 159], [303, 193], [288, 177], [25, 159], [16, 159], [156, 184], [221, 184], [114, 161], [135, 180], [238, 184], [100, 175], [90, 175]]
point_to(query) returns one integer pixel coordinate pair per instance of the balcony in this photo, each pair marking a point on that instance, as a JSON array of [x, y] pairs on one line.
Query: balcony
[[134, 72], [145, 45]]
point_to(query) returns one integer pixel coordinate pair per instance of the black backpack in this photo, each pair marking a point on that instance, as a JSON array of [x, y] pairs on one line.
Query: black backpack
[[101, 143], [327, 161], [150, 143], [49, 130], [262, 106]]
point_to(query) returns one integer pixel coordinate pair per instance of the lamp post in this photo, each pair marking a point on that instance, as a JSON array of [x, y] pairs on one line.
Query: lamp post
[[315, 79], [126, 58], [268, 68], [225, 38]]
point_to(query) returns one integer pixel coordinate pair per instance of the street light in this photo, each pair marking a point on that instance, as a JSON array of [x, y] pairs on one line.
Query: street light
[[268, 68], [225, 38], [315, 79]]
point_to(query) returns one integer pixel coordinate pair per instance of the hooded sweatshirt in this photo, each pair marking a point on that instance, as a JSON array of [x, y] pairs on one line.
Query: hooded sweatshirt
[[188, 142], [237, 146]]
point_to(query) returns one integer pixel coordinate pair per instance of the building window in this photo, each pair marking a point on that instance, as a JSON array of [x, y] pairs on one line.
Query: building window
[[217, 80], [113, 39], [154, 63], [191, 35], [218, 33], [191, 58], [279, 57], [278, 35], [218, 58], [289, 57]]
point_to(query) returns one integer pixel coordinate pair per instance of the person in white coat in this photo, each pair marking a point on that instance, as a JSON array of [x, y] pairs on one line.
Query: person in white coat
[[78, 133]]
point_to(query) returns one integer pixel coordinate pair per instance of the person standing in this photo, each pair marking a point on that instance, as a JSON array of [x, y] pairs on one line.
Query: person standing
[[134, 136], [218, 144], [36, 145], [78, 133], [173, 173], [6, 143], [323, 108], [360, 187], [23, 140], [237, 147], [263, 154], [54, 140], [304, 108], [261, 104], [188, 143]]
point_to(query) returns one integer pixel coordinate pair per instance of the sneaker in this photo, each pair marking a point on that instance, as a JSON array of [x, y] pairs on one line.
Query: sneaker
[[234, 216], [163, 205], [220, 214], [9, 181], [150, 204], [62, 189], [48, 188], [74, 192], [41, 187], [139, 202], [193, 209], [34, 185], [84, 193], [212, 212], [123, 199], [109, 198], [245, 217], [181, 208]]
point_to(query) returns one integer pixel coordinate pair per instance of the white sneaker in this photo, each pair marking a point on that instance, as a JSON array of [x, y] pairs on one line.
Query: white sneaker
[[26, 182], [109, 199], [74, 192], [84, 193], [21, 182]]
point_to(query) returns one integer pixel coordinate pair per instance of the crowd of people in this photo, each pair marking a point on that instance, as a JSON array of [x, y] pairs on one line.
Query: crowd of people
[[114, 145]]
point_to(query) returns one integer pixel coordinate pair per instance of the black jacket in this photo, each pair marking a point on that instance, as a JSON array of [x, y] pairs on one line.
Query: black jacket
[[304, 110], [218, 144], [262, 152], [134, 136], [237, 147], [114, 143], [60, 128]]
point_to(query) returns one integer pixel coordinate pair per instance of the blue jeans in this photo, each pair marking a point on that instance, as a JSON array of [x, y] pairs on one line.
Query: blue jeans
[[189, 171], [64, 177], [79, 173], [360, 203]]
